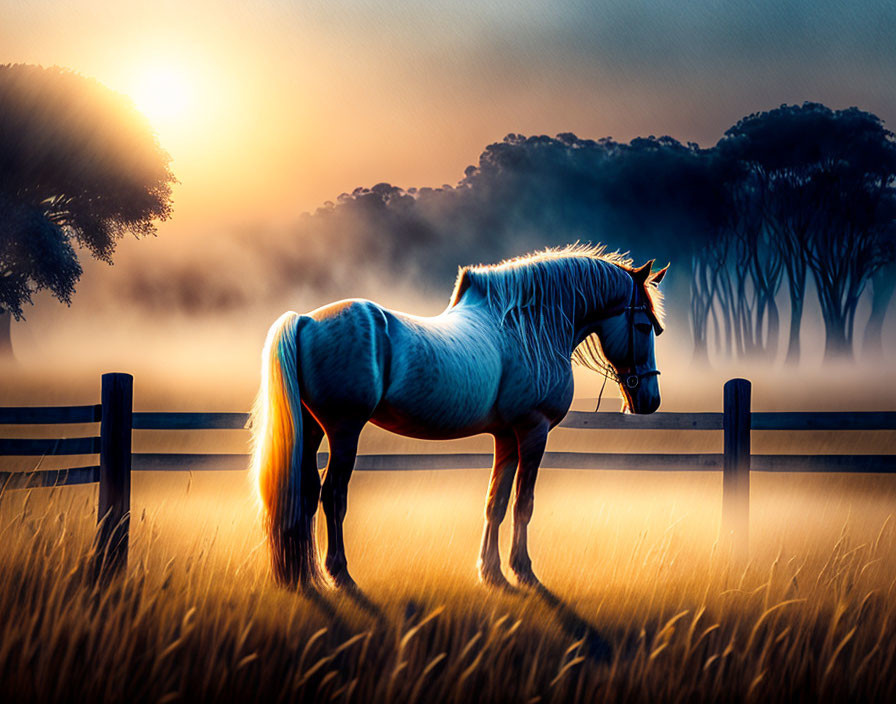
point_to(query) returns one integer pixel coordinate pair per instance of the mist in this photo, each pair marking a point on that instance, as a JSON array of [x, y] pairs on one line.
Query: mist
[[188, 317]]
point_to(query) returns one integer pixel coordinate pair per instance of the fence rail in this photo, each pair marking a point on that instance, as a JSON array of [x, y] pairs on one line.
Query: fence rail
[[47, 415], [117, 461]]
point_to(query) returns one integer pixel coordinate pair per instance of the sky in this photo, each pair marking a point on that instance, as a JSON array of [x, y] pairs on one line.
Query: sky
[[284, 105], [269, 109]]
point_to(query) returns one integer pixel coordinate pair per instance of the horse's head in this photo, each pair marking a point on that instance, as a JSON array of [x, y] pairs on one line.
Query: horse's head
[[627, 342]]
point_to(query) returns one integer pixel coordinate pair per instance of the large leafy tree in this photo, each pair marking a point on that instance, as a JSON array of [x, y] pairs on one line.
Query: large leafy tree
[[79, 168], [825, 181]]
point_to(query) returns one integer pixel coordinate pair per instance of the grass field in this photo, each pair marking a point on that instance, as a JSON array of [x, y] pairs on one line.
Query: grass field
[[643, 605]]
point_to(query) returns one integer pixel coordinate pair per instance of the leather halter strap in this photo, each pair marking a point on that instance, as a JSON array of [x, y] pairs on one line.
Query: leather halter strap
[[629, 374]]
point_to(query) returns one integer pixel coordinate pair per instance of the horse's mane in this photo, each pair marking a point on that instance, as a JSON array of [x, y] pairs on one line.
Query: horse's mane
[[534, 299]]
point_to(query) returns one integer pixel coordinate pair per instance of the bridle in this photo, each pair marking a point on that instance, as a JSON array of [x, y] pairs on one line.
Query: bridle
[[629, 374]]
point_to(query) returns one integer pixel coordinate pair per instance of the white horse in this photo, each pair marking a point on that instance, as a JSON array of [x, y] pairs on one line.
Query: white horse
[[497, 360]]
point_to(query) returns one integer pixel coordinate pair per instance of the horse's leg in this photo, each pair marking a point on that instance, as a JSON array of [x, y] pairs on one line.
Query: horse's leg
[[343, 442], [312, 436], [298, 556], [531, 441], [503, 471]]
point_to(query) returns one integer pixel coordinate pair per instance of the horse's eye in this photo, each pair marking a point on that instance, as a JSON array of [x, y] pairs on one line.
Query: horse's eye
[[644, 327]]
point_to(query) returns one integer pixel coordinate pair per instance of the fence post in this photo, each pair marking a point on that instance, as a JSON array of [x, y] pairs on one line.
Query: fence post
[[113, 515], [736, 469]]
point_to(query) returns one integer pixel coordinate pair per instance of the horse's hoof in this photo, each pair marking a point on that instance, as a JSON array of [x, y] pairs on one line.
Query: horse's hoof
[[311, 581], [526, 578], [343, 581], [529, 581], [494, 579]]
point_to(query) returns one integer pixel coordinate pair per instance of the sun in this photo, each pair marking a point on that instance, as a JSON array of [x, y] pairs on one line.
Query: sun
[[163, 93]]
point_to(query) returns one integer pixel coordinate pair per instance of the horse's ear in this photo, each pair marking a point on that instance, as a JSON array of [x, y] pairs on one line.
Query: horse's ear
[[464, 281], [656, 278], [642, 272]]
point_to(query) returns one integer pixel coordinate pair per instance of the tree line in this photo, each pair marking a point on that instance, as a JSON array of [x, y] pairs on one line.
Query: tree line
[[792, 194], [806, 191], [786, 197]]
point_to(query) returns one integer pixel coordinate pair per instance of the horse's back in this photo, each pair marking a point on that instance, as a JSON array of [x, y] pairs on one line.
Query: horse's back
[[344, 357], [444, 375], [427, 377]]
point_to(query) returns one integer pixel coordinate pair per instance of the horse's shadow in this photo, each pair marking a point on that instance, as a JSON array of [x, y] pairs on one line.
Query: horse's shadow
[[325, 600], [366, 604], [324, 603], [594, 645]]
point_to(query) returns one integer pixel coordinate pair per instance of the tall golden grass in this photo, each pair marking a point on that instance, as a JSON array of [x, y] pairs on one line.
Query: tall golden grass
[[644, 604]]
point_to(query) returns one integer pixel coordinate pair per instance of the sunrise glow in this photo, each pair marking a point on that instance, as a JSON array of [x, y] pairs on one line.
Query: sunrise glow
[[163, 93]]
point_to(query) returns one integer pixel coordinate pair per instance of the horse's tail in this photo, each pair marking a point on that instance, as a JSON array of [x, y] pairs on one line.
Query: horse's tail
[[276, 425]]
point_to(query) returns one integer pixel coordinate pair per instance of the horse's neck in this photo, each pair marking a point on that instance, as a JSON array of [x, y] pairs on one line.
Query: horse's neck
[[584, 312], [600, 307]]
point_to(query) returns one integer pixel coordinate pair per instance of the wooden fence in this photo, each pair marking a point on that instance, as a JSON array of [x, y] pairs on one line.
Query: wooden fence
[[116, 460]]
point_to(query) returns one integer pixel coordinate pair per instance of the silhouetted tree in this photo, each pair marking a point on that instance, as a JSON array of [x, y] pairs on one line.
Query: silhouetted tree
[[79, 166], [536, 191], [883, 280], [664, 198], [822, 176], [736, 276], [883, 283], [794, 191]]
